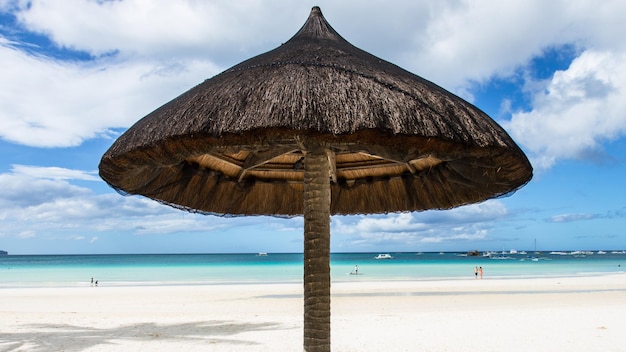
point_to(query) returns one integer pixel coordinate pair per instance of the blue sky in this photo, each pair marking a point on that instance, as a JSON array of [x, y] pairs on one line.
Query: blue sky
[[76, 74]]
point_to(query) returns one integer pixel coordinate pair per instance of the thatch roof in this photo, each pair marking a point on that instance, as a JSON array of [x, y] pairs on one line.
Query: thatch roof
[[396, 142]]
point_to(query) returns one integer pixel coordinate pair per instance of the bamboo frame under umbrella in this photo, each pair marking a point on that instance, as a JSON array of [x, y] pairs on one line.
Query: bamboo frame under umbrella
[[315, 127]]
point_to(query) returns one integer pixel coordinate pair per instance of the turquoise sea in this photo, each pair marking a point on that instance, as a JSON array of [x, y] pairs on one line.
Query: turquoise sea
[[207, 269]]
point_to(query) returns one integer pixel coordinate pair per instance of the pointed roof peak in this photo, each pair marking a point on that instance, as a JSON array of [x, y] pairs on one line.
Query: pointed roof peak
[[316, 27]]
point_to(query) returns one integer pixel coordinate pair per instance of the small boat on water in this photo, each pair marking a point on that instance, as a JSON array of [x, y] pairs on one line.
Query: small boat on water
[[383, 256], [558, 253], [502, 256], [262, 254]]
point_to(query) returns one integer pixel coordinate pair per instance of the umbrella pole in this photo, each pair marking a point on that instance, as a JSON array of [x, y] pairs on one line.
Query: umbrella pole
[[316, 250]]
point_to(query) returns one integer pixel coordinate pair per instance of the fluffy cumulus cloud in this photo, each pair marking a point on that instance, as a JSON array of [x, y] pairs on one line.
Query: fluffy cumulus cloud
[[572, 113], [475, 40], [54, 103], [139, 54], [577, 110], [416, 230], [159, 28], [35, 202], [55, 173]]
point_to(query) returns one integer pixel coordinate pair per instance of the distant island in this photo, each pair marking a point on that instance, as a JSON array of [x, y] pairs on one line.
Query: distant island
[[4, 253]]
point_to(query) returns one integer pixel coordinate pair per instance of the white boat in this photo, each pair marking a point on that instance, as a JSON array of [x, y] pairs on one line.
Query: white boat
[[383, 256], [262, 254], [501, 256], [558, 253]]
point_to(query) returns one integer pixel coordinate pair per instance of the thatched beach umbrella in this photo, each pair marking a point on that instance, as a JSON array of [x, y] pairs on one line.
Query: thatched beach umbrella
[[315, 127]]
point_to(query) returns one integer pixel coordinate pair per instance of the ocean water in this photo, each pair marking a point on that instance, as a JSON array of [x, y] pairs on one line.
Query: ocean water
[[206, 269]]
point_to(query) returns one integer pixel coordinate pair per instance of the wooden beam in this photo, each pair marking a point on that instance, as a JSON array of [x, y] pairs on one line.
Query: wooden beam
[[261, 157], [258, 158], [408, 165], [425, 162], [333, 165], [219, 157]]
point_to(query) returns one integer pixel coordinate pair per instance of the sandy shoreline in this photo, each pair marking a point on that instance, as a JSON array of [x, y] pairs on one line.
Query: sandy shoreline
[[541, 314]]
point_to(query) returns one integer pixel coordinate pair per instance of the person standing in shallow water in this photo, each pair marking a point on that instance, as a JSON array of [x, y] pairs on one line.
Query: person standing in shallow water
[[475, 272], [480, 270]]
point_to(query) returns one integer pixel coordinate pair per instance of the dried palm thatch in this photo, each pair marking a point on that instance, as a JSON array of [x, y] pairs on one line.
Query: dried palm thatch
[[315, 127], [234, 144]]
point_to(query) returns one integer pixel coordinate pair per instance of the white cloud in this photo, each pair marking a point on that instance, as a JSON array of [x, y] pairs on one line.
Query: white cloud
[[59, 104], [485, 211], [471, 222], [392, 223], [571, 217], [19, 191], [37, 200], [26, 234], [577, 110], [32, 202], [475, 40], [158, 28], [54, 173], [457, 235]]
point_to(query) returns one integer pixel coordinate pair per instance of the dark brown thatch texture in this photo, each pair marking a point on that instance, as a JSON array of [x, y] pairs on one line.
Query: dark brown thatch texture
[[396, 142]]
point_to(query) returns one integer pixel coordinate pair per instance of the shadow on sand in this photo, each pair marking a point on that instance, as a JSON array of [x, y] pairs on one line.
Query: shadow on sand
[[70, 338]]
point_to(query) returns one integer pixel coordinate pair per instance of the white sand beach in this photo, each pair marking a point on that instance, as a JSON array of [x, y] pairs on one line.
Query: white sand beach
[[546, 314]]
